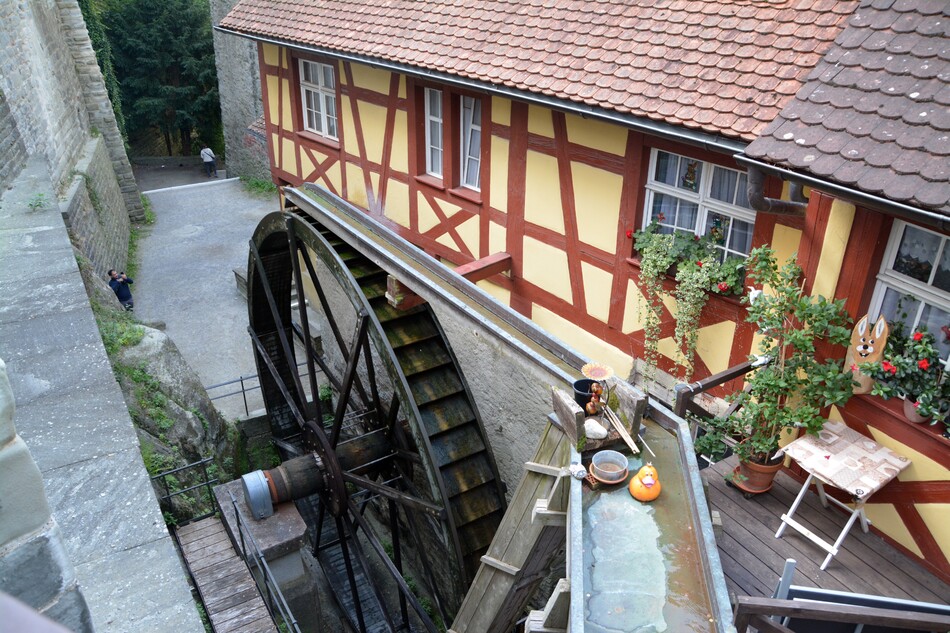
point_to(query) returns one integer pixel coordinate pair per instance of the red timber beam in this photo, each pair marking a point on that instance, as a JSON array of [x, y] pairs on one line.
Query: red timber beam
[[402, 298]]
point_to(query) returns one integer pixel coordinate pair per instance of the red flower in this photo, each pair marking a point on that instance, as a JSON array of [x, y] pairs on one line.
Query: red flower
[[916, 404], [723, 286], [886, 366], [923, 363], [854, 368], [661, 217], [700, 264], [696, 238], [918, 336]]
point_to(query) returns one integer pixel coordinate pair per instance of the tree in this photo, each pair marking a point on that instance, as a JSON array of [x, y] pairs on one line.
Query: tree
[[91, 13], [164, 57]]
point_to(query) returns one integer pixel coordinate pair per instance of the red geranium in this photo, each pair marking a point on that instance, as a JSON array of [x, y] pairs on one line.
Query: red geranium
[[923, 363], [886, 366], [723, 286], [918, 336]]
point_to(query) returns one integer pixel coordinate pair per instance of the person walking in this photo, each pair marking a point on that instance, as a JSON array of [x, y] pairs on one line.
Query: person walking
[[120, 286], [207, 157]]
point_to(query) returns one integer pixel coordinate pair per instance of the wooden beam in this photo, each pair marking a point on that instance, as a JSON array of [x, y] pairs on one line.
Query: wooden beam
[[485, 267], [569, 414], [400, 296]]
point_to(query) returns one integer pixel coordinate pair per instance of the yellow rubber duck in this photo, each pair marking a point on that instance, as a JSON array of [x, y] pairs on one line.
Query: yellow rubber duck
[[645, 485]]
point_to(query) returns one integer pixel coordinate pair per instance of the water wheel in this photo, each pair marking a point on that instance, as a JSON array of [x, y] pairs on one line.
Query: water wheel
[[414, 448]]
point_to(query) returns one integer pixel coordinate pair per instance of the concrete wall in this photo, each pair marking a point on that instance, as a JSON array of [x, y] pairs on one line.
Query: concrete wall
[[12, 151], [239, 88], [94, 210]]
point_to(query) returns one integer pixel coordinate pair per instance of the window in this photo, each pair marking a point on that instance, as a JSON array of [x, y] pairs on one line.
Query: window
[[689, 195], [433, 102], [471, 142], [914, 283], [318, 94]]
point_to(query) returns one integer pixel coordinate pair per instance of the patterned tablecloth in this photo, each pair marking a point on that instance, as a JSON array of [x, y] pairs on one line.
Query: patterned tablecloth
[[847, 460]]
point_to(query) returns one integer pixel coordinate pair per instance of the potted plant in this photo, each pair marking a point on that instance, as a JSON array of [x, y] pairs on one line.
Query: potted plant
[[795, 385], [911, 369]]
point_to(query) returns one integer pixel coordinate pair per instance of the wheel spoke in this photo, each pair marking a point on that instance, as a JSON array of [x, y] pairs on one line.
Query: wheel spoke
[[348, 377], [304, 319]]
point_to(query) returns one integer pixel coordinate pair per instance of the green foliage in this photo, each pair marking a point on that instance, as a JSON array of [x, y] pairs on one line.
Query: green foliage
[[92, 15], [796, 385], [38, 202], [155, 462], [118, 328], [698, 272], [132, 261], [258, 186], [164, 57], [149, 210]]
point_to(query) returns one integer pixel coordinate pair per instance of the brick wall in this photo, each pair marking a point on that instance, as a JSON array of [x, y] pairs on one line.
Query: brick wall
[[12, 150]]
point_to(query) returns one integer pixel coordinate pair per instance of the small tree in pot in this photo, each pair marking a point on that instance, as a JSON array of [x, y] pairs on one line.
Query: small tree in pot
[[794, 387]]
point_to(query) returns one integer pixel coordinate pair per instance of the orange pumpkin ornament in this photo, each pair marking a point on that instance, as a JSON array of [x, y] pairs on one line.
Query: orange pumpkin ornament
[[645, 485]]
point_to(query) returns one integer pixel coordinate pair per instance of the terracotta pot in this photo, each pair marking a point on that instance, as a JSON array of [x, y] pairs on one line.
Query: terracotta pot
[[754, 478], [910, 412]]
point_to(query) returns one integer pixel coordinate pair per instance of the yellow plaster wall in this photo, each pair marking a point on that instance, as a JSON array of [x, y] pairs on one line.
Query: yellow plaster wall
[[935, 516], [840, 220], [286, 116], [542, 192], [399, 154], [500, 111], [546, 267], [631, 309], [667, 347], [401, 91], [497, 238], [334, 176], [714, 345], [356, 186], [921, 468], [348, 141], [597, 284], [271, 54], [370, 78], [469, 232], [288, 153], [275, 147], [374, 184], [273, 103], [785, 242], [397, 202], [596, 134], [373, 121], [539, 121], [502, 295], [582, 341], [499, 174], [427, 217], [597, 200], [306, 165], [885, 518]]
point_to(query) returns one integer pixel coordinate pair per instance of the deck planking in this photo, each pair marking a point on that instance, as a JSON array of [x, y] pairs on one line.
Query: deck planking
[[229, 593], [752, 558]]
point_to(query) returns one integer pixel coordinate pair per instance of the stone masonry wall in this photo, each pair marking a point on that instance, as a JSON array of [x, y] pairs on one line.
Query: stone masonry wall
[[239, 88], [12, 151], [94, 209], [98, 106], [34, 567]]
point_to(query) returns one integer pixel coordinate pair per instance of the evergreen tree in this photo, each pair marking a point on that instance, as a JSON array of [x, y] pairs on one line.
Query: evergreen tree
[[164, 57]]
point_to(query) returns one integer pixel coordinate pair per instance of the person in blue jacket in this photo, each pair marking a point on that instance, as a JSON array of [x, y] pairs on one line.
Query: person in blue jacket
[[120, 286]]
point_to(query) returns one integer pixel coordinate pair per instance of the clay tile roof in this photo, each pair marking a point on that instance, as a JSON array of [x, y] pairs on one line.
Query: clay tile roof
[[879, 103], [730, 48]]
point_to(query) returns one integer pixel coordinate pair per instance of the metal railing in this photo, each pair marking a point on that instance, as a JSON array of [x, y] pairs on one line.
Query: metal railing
[[174, 478], [260, 570], [247, 384]]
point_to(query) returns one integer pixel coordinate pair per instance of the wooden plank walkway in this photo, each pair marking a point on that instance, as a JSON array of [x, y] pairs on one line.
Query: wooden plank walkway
[[229, 593], [752, 558]]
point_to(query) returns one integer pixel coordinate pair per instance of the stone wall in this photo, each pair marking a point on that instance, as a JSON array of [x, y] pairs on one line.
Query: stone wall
[[34, 567], [94, 209], [12, 151], [239, 88]]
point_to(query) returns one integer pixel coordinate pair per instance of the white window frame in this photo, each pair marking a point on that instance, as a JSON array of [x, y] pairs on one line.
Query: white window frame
[[469, 128], [702, 198], [434, 143], [926, 293], [321, 119]]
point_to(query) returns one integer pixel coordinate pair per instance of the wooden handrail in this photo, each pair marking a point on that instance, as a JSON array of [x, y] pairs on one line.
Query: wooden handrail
[[686, 392], [750, 610]]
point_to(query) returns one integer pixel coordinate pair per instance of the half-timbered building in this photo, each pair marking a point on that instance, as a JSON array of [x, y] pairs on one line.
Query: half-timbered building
[[538, 137]]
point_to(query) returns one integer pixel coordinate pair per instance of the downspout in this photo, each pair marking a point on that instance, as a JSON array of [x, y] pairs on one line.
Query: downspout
[[756, 192]]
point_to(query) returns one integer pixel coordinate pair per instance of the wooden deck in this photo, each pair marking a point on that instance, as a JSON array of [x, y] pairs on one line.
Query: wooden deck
[[230, 595], [752, 558]]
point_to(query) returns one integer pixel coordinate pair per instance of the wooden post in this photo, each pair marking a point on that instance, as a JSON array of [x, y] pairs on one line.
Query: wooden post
[[570, 416]]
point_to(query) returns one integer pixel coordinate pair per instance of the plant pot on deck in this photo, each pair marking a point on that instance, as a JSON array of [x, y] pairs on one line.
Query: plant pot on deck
[[753, 479]]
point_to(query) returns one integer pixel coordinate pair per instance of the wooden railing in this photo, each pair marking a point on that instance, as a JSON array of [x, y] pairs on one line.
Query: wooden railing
[[685, 393]]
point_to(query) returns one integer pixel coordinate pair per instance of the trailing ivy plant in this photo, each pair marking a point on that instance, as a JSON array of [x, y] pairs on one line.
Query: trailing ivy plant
[[697, 272]]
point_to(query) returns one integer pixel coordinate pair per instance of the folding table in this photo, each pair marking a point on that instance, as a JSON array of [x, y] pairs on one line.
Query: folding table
[[843, 458]]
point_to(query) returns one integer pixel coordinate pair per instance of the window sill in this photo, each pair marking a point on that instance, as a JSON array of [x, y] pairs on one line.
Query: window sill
[[431, 181], [322, 140], [467, 194], [670, 283]]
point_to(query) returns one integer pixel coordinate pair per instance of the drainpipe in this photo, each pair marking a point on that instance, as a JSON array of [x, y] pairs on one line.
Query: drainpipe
[[756, 192]]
